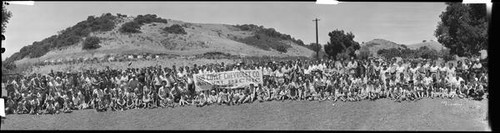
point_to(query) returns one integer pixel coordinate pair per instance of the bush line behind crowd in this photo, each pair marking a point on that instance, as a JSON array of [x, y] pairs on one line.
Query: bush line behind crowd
[[314, 80]]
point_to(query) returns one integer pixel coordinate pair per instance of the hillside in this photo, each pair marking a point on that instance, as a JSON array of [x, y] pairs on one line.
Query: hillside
[[153, 38]]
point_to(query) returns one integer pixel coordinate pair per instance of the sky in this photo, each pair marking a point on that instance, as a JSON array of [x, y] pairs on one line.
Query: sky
[[400, 22]]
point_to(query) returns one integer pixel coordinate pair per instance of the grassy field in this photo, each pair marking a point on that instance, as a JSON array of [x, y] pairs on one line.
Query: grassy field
[[423, 115]]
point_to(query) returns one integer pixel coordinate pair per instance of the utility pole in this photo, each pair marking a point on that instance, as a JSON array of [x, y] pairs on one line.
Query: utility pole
[[317, 51]]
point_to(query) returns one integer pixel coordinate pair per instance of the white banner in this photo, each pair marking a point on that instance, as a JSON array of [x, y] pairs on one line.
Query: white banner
[[228, 79]]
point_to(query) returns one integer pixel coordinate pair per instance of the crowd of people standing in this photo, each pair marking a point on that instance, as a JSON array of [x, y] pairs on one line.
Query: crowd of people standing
[[314, 80]]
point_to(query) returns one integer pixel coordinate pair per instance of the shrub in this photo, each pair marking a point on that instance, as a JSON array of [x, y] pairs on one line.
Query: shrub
[[130, 27], [91, 43], [174, 29], [282, 48]]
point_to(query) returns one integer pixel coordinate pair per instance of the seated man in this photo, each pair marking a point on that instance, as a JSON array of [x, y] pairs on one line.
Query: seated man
[[292, 93], [200, 99], [9, 105], [261, 93], [275, 92], [66, 104], [241, 96], [364, 92], [121, 102], [349, 95], [50, 101], [224, 97], [233, 97], [282, 93], [453, 92], [183, 96], [131, 100], [76, 102], [478, 92], [163, 95], [249, 94], [462, 90]]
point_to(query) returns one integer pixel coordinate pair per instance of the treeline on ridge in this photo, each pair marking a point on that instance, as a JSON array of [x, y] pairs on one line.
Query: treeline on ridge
[[135, 25], [267, 38]]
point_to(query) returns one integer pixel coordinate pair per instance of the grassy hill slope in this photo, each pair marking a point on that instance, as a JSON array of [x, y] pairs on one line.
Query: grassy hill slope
[[199, 39]]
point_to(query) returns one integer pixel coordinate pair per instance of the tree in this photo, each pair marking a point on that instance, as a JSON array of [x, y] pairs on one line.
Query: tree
[[91, 43], [315, 47], [341, 42], [463, 28], [5, 17]]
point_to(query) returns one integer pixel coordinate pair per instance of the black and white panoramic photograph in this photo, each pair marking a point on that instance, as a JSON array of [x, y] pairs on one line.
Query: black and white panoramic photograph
[[159, 65]]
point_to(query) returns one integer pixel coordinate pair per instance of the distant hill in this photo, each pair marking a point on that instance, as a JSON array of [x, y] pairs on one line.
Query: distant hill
[[155, 35], [430, 44], [377, 44]]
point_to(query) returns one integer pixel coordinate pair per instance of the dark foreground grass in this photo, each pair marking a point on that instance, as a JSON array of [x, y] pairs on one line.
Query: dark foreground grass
[[426, 115]]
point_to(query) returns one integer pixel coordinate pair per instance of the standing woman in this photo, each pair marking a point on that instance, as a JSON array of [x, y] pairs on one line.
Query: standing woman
[[190, 85], [157, 85]]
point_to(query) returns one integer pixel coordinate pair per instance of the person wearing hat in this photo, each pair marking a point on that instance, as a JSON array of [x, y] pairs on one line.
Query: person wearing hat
[[211, 97]]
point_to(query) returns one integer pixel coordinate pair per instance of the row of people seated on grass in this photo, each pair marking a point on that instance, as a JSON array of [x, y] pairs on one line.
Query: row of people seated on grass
[[154, 86]]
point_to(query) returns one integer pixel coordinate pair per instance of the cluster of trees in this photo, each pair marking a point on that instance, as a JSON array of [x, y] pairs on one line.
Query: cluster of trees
[[91, 43], [341, 45], [135, 25], [67, 37], [422, 52], [267, 38], [174, 29], [463, 28]]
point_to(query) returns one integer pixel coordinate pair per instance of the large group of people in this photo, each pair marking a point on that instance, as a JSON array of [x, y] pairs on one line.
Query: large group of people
[[313, 80]]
